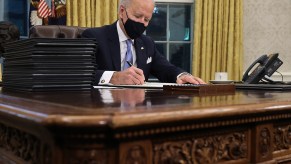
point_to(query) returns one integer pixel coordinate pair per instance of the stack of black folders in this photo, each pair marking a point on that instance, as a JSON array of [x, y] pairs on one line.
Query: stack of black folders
[[45, 64]]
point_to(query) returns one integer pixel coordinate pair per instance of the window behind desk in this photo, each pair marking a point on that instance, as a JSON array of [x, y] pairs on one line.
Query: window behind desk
[[172, 29]]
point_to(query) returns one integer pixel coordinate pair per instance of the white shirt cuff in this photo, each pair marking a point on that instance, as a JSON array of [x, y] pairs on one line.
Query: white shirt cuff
[[106, 77], [183, 73]]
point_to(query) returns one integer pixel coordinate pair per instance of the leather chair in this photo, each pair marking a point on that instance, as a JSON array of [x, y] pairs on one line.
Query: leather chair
[[9, 32], [55, 31]]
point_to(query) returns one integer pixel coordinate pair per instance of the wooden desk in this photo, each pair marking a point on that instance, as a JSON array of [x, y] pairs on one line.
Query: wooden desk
[[145, 126]]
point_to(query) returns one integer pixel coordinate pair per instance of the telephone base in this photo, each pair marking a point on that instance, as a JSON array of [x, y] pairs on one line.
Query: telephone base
[[277, 82]]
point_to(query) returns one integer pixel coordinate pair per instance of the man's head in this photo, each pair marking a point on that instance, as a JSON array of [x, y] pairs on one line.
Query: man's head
[[134, 16]]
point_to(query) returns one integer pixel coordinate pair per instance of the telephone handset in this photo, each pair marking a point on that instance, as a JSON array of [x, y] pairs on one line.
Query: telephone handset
[[266, 65]]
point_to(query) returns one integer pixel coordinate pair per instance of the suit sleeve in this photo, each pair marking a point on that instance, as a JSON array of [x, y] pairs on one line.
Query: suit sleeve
[[90, 33]]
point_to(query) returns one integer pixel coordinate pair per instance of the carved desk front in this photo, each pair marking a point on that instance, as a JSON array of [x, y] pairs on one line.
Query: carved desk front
[[138, 126]]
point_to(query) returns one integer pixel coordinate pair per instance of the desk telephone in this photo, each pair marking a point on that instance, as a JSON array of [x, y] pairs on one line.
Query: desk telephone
[[266, 65]]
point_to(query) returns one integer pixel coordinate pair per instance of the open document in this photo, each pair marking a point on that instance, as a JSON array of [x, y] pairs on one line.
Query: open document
[[155, 85], [201, 89]]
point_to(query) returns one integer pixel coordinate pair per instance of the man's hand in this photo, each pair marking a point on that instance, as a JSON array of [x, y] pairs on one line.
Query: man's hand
[[188, 78], [130, 76]]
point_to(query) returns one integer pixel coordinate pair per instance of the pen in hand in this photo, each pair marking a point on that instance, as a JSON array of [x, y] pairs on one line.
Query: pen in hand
[[131, 66], [129, 63]]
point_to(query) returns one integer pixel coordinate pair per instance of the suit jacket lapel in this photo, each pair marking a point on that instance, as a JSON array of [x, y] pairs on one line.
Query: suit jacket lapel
[[141, 57], [114, 46]]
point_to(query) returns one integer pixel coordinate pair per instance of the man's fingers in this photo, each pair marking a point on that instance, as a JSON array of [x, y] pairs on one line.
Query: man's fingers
[[139, 72], [190, 79], [199, 80], [136, 75]]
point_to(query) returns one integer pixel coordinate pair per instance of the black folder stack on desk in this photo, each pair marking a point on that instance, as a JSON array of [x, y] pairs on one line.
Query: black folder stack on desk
[[43, 64]]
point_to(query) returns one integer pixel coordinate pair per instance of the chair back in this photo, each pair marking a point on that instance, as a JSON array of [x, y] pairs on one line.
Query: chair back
[[55, 31]]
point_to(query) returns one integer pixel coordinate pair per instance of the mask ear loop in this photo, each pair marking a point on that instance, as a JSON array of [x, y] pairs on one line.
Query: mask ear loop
[[126, 15], [122, 21]]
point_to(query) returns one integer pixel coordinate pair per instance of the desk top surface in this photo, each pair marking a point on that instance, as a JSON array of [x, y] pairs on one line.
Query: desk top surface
[[126, 107]]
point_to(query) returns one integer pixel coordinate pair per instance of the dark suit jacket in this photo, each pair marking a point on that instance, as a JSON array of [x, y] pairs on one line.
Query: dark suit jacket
[[108, 55]]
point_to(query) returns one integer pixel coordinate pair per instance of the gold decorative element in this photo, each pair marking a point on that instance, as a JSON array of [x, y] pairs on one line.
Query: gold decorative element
[[34, 3], [61, 11]]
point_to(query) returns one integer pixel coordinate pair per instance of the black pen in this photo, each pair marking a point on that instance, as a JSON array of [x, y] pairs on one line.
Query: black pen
[[128, 63]]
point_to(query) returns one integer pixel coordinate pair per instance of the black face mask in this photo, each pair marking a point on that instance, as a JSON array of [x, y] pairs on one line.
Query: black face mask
[[132, 28]]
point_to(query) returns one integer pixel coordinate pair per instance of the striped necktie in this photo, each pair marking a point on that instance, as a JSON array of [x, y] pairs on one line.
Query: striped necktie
[[128, 55]]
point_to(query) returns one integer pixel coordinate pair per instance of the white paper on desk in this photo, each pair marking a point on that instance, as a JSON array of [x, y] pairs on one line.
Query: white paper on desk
[[104, 87], [145, 85]]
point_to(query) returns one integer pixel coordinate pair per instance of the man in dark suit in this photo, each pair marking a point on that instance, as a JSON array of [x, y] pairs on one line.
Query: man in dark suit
[[126, 56]]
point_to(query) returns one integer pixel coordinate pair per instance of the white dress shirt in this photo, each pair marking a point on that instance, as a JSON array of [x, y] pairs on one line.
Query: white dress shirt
[[107, 75]]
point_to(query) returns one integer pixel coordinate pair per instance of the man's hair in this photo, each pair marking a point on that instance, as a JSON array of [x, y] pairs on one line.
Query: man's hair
[[124, 3], [127, 2]]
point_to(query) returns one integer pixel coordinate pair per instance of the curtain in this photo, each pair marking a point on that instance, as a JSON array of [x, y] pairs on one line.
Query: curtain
[[218, 42], [91, 13]]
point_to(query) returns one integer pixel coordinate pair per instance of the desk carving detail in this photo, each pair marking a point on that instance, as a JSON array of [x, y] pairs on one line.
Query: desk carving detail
[[282, 138], [265, 142], [79, 128], [23, 145], [136, 155], [212, 149]]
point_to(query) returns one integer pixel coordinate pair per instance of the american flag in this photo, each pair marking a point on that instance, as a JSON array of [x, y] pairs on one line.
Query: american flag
[[43, 9]]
